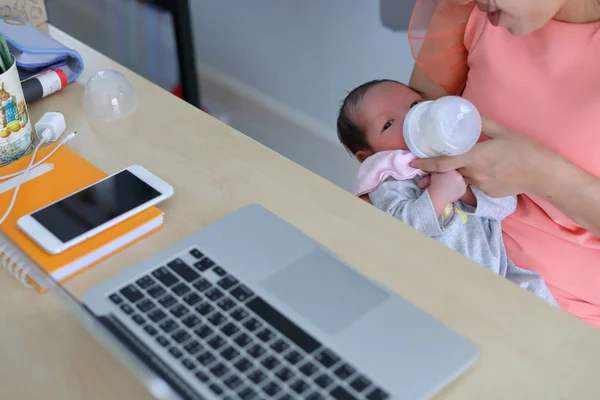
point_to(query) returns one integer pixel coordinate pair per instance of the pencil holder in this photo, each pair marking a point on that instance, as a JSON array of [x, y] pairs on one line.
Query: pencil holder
[[16, 137]]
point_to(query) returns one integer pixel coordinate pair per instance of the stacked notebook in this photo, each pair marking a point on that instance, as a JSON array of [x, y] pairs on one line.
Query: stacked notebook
[[62, 174]]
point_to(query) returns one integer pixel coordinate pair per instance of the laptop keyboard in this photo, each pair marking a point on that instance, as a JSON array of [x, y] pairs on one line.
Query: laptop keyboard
[[232, 340]]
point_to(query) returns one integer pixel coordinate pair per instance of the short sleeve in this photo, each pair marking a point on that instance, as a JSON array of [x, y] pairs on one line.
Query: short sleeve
[[437, 38]]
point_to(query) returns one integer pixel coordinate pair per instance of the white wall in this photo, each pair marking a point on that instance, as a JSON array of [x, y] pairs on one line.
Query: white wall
[[301, 54], [305, 54], [138, 36], [273, 69]]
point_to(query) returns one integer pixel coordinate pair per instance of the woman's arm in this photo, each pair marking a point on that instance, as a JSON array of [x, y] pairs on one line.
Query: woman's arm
[[441, 67], [575, 192], [420, 81], [510, 163]]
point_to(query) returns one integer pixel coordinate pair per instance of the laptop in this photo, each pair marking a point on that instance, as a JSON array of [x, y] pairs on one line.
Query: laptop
[[251, 308]]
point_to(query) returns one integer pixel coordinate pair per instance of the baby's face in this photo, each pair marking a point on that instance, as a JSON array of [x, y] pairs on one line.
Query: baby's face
[[381, 115]]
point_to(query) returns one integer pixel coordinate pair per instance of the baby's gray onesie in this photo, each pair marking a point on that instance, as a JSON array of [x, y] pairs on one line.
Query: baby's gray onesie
[[479, 238]]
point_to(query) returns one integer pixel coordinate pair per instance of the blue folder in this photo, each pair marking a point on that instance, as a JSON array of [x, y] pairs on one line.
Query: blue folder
[[36, 52]]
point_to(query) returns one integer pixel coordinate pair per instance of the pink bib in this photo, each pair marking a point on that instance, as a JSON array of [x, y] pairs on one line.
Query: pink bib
[[381, 166]]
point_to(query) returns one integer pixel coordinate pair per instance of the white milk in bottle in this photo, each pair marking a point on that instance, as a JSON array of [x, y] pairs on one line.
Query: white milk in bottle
[[449, 126]]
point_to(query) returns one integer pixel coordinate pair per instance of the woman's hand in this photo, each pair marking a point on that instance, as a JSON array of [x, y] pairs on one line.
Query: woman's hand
[[510, 164], [507, 164]]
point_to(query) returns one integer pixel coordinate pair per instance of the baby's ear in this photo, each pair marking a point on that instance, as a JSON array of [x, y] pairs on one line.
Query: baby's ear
[[362, 155]]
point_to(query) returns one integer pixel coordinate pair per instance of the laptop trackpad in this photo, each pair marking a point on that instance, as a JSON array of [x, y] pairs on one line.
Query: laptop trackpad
[[325, 291]]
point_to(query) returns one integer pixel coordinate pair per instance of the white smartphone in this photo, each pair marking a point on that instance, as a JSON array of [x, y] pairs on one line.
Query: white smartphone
[[83, 214]]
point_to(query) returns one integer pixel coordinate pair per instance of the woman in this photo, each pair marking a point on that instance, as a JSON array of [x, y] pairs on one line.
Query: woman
[[533, 68]]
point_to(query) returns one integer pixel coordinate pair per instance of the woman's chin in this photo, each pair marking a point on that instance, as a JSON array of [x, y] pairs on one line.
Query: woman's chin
[[516, 30], [520, 29]]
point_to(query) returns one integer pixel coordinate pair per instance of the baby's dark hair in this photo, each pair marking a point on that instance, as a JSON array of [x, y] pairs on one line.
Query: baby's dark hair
[[350, 134]]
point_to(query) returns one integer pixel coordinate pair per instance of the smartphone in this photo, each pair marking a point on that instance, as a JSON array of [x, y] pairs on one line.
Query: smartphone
[[94, 209]]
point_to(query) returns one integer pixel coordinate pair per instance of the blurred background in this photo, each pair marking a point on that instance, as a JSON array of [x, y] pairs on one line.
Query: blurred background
[[276, 70]]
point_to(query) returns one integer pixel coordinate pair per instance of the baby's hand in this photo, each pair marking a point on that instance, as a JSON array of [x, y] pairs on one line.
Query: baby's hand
[[450, 186], [468, 198], [444, 188]]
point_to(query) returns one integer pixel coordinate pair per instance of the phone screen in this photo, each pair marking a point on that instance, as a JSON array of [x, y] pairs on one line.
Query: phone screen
[[94, 206]]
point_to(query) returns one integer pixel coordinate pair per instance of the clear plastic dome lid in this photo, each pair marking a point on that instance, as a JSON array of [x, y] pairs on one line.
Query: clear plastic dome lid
[[109, 96]]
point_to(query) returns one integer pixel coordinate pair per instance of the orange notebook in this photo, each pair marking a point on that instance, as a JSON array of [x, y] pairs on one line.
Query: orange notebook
[[62, 174]]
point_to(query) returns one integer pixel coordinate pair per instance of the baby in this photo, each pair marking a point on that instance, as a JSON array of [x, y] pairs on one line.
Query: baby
[[443, 206]]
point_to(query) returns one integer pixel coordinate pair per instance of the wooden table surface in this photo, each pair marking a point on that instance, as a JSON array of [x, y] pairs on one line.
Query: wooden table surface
[[528, 350]]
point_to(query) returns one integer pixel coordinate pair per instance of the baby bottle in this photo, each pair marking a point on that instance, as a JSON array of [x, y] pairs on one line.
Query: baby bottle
[[449, 126]]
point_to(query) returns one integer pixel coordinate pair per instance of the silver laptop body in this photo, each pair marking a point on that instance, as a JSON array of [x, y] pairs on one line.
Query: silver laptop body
[[251, 308]]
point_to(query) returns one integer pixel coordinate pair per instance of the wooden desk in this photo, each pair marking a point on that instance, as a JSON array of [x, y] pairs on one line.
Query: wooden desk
[[528, 349]]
